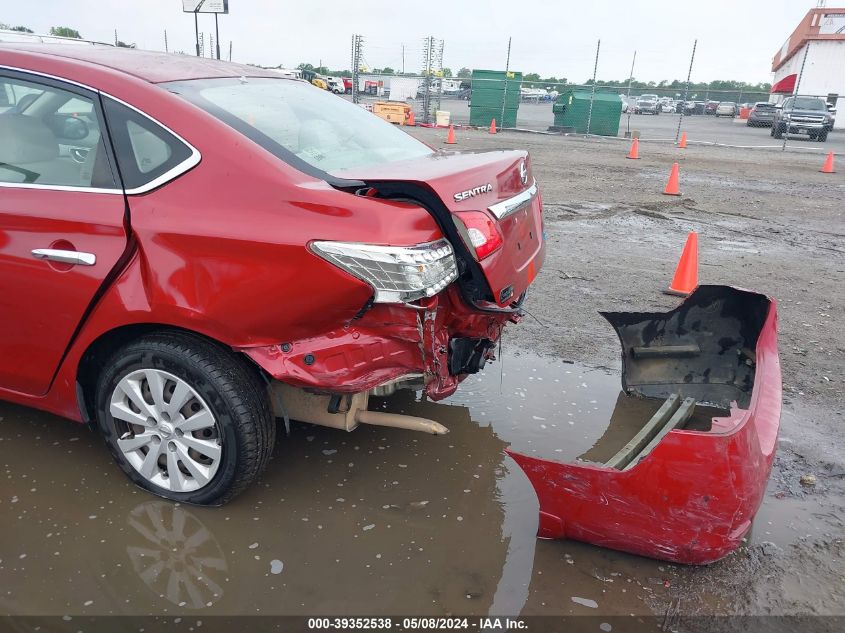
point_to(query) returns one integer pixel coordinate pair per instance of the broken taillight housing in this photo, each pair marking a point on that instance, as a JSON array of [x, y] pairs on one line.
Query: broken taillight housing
[[479, 231], [398, 274]]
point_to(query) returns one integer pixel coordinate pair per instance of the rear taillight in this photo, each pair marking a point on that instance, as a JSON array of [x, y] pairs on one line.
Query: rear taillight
[[397, 274], [479, 231]]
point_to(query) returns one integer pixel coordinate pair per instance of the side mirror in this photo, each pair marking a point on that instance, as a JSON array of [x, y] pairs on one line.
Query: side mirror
[[67, 126]]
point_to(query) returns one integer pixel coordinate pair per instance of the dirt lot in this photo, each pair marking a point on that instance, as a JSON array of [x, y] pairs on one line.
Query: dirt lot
[[767, 221], [384, 521]]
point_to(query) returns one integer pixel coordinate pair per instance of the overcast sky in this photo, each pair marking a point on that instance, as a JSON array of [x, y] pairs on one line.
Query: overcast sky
[[736, 40]]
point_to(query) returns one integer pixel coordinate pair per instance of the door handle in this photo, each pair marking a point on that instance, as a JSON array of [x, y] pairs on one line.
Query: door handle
[[66, 257]]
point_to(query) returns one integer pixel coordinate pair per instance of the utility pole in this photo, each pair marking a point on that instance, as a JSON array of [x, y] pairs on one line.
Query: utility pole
[[230, 50], [593, 92], [403, 59], [197, 31], [505, 93], [630, 81], [166, 50], [795, 94], [356, 64], [686, 91], [115, 37], [217, 36]]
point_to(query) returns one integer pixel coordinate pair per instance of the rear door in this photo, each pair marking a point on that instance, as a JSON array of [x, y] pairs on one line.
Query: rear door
[[61, 222]]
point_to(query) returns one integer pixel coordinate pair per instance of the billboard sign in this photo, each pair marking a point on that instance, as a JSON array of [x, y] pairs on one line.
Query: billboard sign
[[205, 6]]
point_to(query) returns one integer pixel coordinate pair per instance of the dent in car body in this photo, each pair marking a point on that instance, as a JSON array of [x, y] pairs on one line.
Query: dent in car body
[[222, 251]]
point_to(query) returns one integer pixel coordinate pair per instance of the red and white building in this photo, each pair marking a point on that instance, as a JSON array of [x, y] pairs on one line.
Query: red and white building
[[821, 34]]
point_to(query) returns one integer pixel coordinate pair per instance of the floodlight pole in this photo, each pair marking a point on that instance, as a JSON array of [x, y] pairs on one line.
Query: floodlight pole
[[217, 36], [197, 31]]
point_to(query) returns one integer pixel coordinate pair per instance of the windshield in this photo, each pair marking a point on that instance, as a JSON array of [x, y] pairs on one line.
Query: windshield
[[300, 123], [806, 103]]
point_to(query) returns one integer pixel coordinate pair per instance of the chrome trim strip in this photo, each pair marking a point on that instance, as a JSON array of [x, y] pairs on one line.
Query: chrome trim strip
[[32, 185], [506, 207], [66, 257], [186, 165], [48, 76]]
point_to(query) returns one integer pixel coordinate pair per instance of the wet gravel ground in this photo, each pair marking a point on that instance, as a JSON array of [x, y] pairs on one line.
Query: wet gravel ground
[[384, 521]]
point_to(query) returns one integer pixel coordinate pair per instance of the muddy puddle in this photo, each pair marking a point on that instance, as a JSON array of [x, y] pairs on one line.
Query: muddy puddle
[[378, 521]]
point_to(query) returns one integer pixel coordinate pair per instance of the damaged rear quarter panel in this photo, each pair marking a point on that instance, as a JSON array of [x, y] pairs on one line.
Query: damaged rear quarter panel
[[385, 343]]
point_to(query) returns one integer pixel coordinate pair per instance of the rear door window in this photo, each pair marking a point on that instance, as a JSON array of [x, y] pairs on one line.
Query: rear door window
[[51, 136], [148, 154]]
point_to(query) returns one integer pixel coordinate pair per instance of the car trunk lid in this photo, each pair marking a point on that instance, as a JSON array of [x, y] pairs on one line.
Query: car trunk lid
[[498, 184]]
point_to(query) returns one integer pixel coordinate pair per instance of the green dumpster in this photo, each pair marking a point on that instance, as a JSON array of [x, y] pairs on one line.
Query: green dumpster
[[491, 90], [572, 109]]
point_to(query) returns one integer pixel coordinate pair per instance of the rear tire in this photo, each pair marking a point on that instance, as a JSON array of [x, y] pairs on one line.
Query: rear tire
[[205, 447], [777, 131], [823, 137]]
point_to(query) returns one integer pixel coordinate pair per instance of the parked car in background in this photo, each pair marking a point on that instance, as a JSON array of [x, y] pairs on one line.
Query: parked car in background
[[647, 106], [726, 108], [831, 109], [761, 115], [802, 115], [710, 107], [668, 107], [191, 249]]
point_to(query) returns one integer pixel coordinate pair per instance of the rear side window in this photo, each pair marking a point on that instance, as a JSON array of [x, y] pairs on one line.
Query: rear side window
[[146, 152], [314, 130]]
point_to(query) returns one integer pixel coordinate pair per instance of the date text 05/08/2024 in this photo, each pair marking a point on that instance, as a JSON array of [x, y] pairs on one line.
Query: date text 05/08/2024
[[417, 624]]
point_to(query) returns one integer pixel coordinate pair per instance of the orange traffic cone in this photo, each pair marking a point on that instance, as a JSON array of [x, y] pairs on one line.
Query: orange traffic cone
[[686, 274], [828, 164], [450, 137], [493, 126], [635, 150], [672, 187], [410, 120], [682, 144]]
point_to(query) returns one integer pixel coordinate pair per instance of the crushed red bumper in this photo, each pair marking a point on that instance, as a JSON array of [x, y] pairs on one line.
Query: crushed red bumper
[[679, 494]]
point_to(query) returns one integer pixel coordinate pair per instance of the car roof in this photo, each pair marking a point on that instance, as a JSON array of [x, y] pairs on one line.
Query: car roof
[[152, 66]]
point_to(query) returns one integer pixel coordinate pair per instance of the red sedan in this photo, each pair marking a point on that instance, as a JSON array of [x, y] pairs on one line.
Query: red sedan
[[190, 249]]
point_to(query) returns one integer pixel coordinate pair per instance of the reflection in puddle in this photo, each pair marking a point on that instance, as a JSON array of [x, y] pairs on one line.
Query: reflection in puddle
[[178, 558], [378, 521]]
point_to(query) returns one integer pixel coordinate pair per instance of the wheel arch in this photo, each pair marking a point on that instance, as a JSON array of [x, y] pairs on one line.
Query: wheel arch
[[98, 351]]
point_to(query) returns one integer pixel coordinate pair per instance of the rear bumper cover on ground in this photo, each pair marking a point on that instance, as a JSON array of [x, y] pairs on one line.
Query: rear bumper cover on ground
[[693, 496]]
